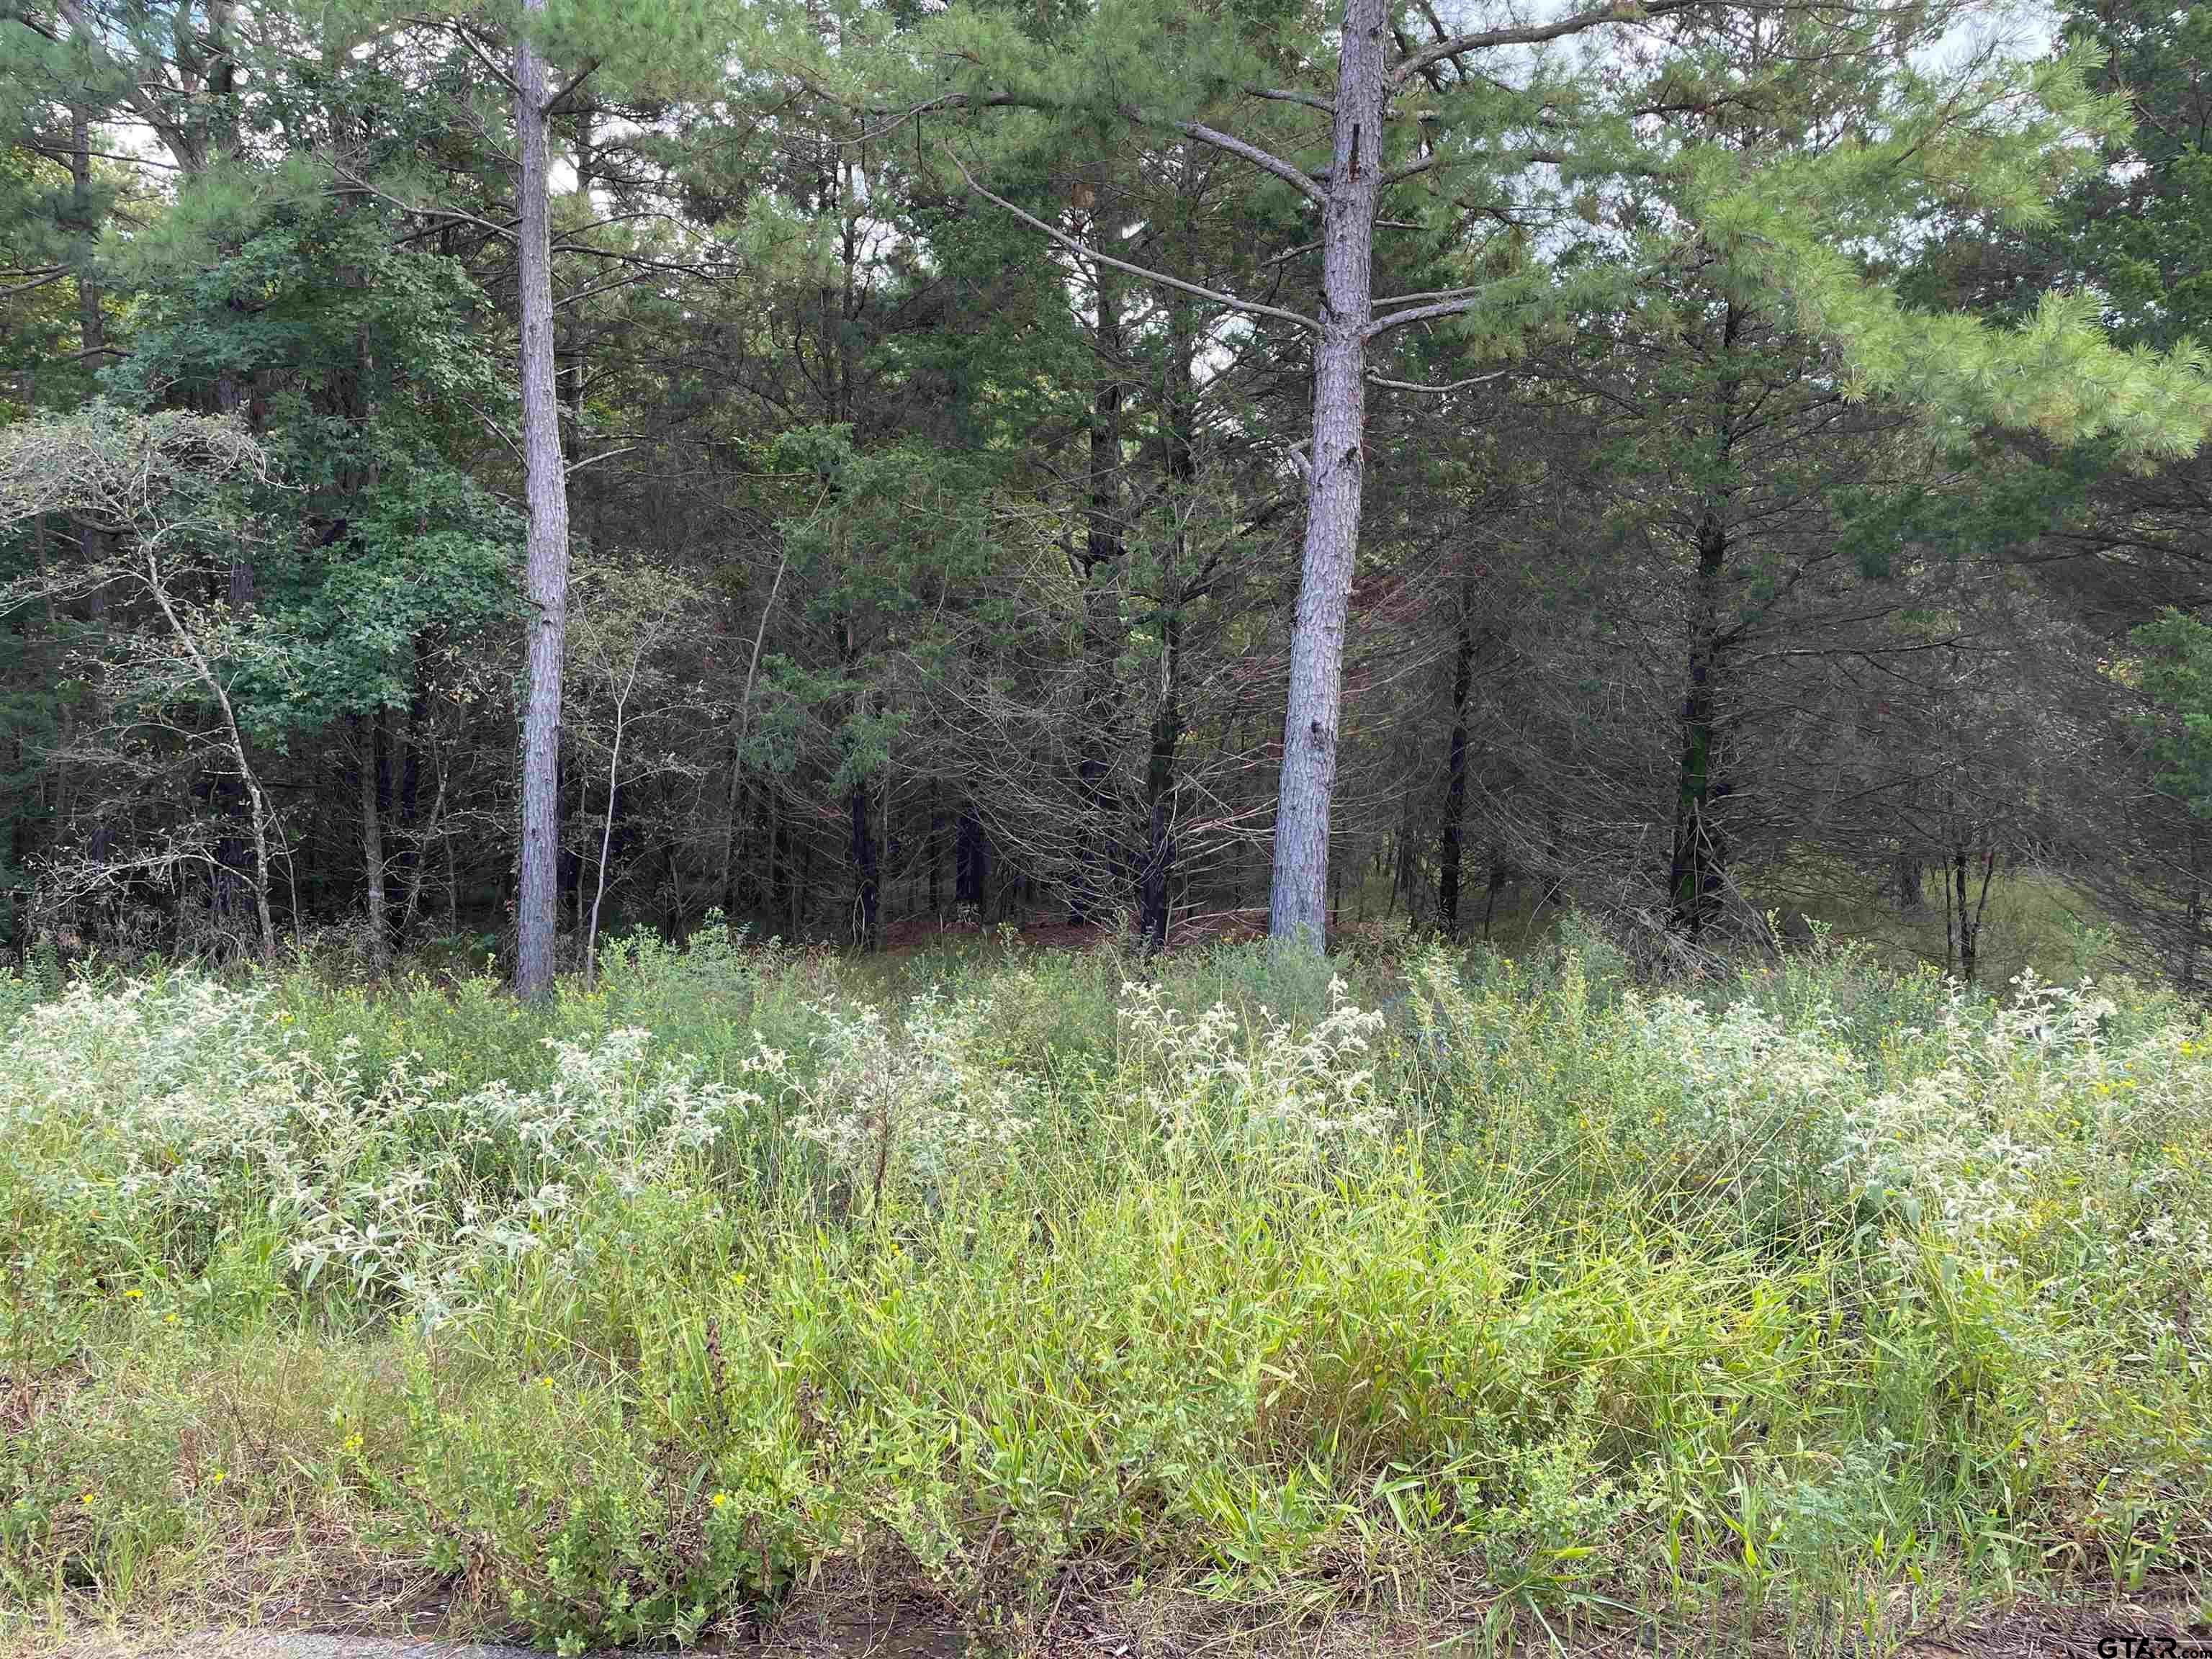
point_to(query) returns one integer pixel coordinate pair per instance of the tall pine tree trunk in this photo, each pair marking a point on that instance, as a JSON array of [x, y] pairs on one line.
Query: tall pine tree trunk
[[91, 323], [223, 138], [2192, 943], [418, 865], [799, 881], [733, 795], [1153, 893], [1449, 849], [1299, 888], [368, 732], [1102, 565], [1155, 896], [413, 851], [1905, 873], [1156, 881], [934, 855], [971, 860], [545, 577], [92, 333], [1698, 871], [866, 873]]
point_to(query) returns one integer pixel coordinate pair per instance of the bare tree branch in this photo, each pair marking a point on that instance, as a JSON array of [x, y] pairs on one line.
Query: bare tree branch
[[1265, 160], [1383, 326], [1530, 34], [1284, 95], [476, 52], [553, 104], [1449, 386], [1073, 246]]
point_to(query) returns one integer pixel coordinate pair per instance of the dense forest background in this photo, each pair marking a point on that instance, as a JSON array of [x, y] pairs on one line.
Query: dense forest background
[[1786, 503]]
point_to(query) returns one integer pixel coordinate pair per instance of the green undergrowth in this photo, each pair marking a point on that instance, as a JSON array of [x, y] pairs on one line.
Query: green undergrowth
[[2032, 918], [1817, 1299]]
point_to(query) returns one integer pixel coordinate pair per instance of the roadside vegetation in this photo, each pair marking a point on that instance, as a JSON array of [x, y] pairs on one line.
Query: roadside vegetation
[[1809, 1301]]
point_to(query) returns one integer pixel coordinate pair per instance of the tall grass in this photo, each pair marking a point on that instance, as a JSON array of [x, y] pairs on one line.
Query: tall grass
[[1811, 1300]]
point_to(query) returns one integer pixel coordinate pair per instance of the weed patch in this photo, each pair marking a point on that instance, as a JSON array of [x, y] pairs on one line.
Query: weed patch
[[1819, 1295]]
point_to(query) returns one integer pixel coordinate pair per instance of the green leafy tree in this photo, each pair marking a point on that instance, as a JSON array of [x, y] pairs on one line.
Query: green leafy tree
[[1526, 133]]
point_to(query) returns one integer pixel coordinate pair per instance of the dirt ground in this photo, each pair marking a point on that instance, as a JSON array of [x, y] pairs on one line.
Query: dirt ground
[[2164, 1625]]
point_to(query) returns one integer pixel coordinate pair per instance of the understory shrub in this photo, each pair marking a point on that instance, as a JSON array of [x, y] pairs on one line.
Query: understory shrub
[[1814, 1287]]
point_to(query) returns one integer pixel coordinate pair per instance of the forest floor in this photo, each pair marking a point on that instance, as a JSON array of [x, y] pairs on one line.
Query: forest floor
[[2131, 1627]]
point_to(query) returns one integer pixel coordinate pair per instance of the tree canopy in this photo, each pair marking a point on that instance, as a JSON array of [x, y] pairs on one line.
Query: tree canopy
[[1125, 465]]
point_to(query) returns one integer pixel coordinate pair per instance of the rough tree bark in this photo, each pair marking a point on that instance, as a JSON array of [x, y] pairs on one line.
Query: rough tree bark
[[1100, 564], [406, 795], [801, 881], [231, 390], [1697, 873], [92, 332], [419, 860], [1337, 474], [971, 860], [368, 732], [861, 846], [1969, 919], [92, 326], [935, 856], [2192, 943], [545, 578], [1905, 875], [1155, 895], [865, 870], [1448, 850]]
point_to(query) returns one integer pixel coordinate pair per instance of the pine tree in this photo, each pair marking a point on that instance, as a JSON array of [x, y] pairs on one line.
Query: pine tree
[[1475, 144], [555, 49]]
